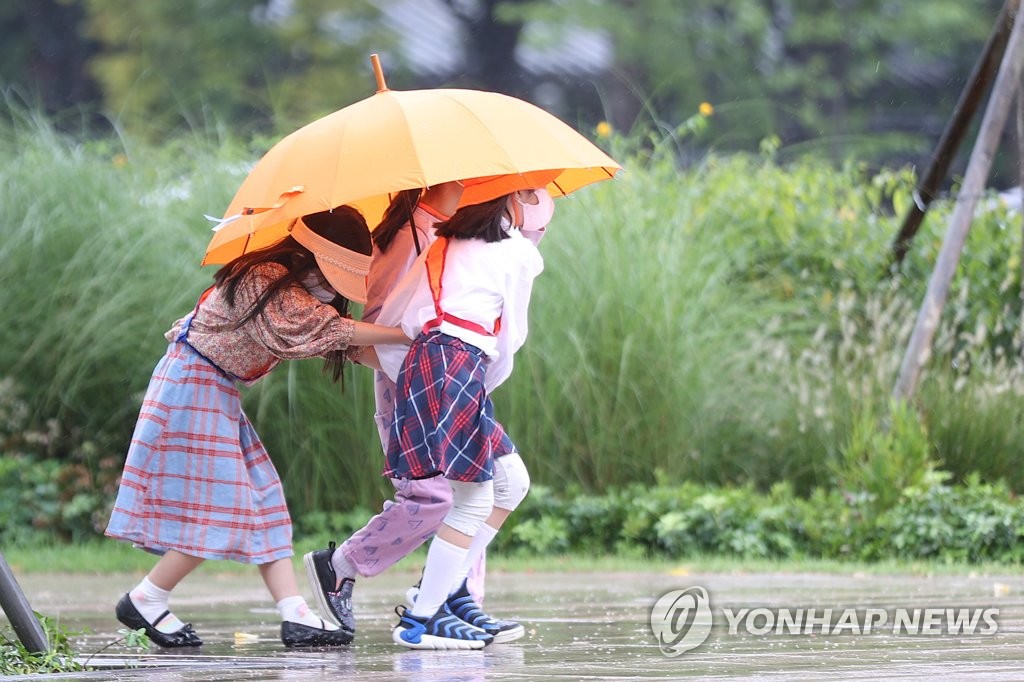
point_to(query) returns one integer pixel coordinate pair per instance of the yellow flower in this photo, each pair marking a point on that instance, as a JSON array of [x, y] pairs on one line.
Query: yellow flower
[[603, 129], [706, 109], [119, 160]]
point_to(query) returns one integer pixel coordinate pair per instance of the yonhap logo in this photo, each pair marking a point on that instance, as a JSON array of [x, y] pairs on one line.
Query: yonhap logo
[[681, 620]]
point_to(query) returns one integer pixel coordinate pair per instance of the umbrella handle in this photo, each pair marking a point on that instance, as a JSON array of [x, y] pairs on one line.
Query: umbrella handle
[[378, 72]]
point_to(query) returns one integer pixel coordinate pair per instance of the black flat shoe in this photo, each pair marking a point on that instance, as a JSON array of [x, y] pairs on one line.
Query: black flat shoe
[[130, 616], [336, 604], [297, 634]]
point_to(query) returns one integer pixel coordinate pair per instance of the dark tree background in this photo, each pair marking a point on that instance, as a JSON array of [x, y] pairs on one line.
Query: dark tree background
[[872, 78]]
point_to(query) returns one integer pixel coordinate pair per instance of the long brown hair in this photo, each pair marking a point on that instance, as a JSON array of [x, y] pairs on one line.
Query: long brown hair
[[343, 225]]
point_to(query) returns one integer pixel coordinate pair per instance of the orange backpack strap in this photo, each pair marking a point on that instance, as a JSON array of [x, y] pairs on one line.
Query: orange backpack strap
[[435, 269]]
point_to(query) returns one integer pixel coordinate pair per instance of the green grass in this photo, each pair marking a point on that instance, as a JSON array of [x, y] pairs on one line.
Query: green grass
[[104, 557]]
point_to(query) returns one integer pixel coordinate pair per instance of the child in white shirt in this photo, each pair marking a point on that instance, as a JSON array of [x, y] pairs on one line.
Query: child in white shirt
[[465, 302]]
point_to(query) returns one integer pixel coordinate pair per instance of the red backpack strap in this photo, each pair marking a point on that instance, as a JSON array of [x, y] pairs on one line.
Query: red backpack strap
[[203, 296]]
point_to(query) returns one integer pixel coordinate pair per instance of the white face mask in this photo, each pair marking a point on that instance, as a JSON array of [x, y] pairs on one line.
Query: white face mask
[[317, 286]]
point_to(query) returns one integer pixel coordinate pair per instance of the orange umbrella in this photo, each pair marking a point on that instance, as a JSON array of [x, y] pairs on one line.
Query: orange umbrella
[[395, 140]]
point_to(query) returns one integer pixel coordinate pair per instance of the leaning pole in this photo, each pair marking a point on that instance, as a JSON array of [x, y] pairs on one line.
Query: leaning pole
[[957, 127], [18, 611], [992, 125]]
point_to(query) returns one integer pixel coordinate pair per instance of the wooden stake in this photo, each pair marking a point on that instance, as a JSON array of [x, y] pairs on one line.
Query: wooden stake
[[992, 126], [977, 83]]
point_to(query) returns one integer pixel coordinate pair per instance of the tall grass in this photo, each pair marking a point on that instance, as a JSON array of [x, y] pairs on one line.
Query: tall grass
[[729, 323], [99, 255]]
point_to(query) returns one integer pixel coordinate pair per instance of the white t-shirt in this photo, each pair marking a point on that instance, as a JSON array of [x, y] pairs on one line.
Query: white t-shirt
[[482, 281]]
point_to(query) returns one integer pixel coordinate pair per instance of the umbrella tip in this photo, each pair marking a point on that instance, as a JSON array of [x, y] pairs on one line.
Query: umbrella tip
[[378, 72]]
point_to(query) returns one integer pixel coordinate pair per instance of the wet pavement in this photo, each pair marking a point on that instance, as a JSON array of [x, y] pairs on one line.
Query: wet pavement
[[580, 626]]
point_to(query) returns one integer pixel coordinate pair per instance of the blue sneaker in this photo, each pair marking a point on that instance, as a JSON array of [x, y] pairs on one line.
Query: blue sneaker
[[464, 607], [441, 631]]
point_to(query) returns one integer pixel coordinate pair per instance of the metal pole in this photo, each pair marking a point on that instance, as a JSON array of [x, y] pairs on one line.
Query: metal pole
[[956, 128], [18, 611], [992, 125]]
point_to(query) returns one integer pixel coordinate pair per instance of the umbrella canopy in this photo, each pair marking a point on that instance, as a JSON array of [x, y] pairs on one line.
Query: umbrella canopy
[[396, 140]]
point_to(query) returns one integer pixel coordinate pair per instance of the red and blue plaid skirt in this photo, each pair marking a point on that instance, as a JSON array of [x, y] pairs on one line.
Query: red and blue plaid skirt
[[444, 422], [197, 478]]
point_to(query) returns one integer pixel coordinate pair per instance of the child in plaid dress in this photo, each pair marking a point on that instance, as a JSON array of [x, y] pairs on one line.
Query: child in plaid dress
[[198, 483], [466, 301]]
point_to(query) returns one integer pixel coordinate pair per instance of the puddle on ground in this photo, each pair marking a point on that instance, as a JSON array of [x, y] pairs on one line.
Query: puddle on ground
[[593, 626]]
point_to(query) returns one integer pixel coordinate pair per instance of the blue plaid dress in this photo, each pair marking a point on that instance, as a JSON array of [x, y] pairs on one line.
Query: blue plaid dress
[[197, 478], [444, 421]]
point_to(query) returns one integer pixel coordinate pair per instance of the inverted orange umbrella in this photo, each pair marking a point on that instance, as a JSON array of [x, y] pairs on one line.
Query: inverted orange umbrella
[[396, 140]]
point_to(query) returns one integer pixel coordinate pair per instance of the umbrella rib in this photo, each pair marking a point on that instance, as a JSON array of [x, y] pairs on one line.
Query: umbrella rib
[[507, 156]]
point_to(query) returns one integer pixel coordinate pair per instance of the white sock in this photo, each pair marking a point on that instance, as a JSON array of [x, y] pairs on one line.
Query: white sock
[[151, 603], [443, 561], [343, 568], [296, 610], [482, 538]]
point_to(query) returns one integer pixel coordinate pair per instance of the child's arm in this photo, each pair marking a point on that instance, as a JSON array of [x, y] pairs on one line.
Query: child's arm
[[367, 334]]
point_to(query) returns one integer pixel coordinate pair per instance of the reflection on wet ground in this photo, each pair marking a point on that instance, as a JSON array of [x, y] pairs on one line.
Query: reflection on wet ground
[[579, 626]]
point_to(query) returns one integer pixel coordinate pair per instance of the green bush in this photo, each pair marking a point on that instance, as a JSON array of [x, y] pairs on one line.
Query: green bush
[[542, 535], [928, 520], [54, 483], [965, 523], [330, 526], [883, 456]]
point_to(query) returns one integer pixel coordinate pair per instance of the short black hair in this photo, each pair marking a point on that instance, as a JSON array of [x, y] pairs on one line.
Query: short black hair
[[476, 221]]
